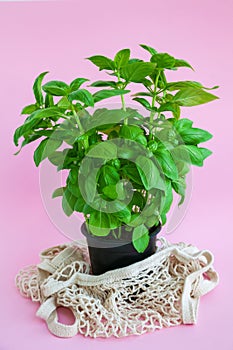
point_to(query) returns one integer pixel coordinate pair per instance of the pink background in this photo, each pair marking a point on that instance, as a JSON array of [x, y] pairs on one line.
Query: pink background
[[56, 36]]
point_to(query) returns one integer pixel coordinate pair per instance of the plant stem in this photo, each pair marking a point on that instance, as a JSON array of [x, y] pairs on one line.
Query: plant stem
[[122, 99], [77, 120], [119, 234], [85, 141]]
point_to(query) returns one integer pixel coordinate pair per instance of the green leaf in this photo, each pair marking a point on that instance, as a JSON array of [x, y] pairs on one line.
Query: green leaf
[[99, 223], [105, 116], [133, 60], [104, 83], [76, 83], [56, 88], [149, 49], [188, 154], [102, 62], [143, 94], [64, 103], [172, 107], [103, 94], [122, 58], [168, 199], [114, 191], [68, 202], [163, 60], [73, 175], [49, 101], [58, 192], [130, 132], [23, 129], [182, 63], [131, 172], [37, 89], [29, 109], [90, 187], [183, 124], [149, 173], [193, 97], [140, 238], [50, 112], [83, 96], [143, 102], [193, 136], [137, 71], [167, 164], [177, 85], [45, 148], [180, 186], [205, 152], [80, 205], [121, 211], [106, 150], [108, 176]]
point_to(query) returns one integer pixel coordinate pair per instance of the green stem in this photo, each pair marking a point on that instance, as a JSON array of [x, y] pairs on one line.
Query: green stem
[[77, 120], [85, 141], [122, 99], [119, 234]]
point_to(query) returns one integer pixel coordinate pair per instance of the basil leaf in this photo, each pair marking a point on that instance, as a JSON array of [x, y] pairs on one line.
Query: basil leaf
[[49, 101], [149, 173], [131, 172], [102, 62], [103, 94], [29, 109], [172, 107], [168, 198], [193, 136], [108, 176], [90, 187], [163, 60], [105, 116], [130, 132], [23, 129], [167, 164], [205, 152], [99, 223], [68, 202], [83, 96], [143, 102], [76, 83], [183, 124], [182, 63], [106, 150], [104, 83], [180, 186], [122, 58], [37, 88], [193, 97], [188, 154], [149, 49], [140, 238], [177, 85], [121, 211], [58, 192], [56, 88], [137, 71], [45, 148]]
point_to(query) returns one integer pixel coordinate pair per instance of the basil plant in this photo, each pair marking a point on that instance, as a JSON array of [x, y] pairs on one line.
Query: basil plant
[[124, 164]]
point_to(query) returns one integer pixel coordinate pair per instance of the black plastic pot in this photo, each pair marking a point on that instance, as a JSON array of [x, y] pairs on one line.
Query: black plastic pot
[[109, 253]]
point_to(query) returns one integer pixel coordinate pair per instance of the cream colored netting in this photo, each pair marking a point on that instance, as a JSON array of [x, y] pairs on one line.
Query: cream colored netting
[[161, 291]]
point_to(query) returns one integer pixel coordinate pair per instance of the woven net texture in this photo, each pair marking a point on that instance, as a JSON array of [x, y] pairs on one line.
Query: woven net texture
[[161, 291]]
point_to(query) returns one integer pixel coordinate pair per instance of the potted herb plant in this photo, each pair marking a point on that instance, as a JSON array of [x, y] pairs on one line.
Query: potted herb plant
[[124, 165]]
